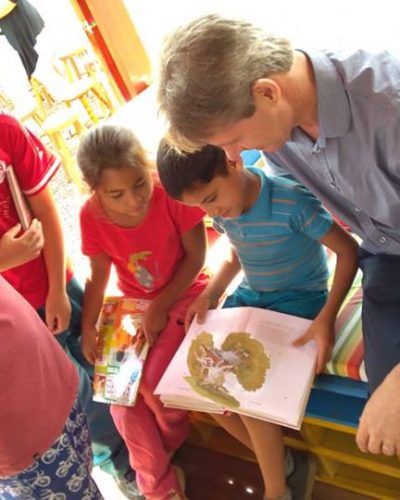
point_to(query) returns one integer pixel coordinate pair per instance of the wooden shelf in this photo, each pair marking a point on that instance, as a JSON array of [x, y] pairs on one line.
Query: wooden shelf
[[339, 461]]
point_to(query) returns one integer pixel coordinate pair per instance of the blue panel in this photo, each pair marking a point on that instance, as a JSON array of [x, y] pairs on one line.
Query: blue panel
[[250, 156], [342, 385], [335, 407]]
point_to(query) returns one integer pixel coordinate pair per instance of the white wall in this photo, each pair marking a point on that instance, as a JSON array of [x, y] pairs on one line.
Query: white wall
[[315, 23]]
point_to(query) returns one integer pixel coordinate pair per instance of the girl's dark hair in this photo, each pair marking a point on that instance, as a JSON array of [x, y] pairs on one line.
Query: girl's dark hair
[[109, 146], [181, 172]]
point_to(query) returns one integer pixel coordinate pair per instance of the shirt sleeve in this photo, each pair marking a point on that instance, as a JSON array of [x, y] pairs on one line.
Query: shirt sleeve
[[89, 237], [309, 216], [33, 163]]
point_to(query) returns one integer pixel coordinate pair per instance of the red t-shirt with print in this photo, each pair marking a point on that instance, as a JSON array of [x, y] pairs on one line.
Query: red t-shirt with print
[[34, 166], [145, 256]]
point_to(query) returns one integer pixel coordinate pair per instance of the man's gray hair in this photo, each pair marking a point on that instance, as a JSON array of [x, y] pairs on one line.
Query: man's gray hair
[[207, 71]]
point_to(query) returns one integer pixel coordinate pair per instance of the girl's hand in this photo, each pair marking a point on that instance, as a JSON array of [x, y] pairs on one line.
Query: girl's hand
[[155, 320], [200, 306], [58, 312], [17, 249], [323, 333], [89, 345]]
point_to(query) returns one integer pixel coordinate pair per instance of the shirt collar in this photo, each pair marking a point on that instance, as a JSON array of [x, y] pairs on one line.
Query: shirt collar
[[263, 202], [334, 114]]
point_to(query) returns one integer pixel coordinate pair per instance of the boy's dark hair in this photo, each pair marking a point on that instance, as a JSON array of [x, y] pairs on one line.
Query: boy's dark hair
[[181, 172]]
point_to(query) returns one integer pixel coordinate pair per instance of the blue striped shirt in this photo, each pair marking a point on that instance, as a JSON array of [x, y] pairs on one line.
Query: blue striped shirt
[[354, 166], [276, 240]]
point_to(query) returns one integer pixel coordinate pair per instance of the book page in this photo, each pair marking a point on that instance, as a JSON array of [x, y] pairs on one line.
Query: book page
[[242, 359]]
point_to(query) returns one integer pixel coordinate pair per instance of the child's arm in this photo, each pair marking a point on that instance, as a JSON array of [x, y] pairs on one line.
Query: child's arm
[[195, 245], [57, 307], [16, 248], [323, 326], [100, 266], [209, 298]]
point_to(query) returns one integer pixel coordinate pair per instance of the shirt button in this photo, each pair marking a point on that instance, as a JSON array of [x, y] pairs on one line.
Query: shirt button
[[382, 239]]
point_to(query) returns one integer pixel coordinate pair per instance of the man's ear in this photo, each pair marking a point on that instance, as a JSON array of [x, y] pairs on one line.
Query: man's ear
[[266, 88], [235, 165]]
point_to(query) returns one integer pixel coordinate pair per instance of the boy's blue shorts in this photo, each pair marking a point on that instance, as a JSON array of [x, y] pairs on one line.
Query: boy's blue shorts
[[302, 303]]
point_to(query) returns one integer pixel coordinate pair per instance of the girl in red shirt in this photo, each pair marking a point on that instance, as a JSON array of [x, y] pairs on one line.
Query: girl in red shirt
[[157, 247]]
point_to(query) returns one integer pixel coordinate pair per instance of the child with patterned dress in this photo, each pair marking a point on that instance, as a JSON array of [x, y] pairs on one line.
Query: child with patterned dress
[[44, 437], [158, 247]]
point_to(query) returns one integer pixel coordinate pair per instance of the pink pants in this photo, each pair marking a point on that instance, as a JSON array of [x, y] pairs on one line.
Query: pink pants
[[151, 431]]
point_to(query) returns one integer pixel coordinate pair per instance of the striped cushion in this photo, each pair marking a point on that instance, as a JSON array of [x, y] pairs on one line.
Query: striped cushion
[[347, 356]]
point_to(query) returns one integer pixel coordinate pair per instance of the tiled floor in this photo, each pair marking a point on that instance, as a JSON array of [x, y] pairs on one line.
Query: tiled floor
[[214, 476]]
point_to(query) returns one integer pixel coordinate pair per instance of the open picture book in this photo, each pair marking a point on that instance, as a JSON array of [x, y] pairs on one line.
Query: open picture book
[[121, 351], [242, 360]]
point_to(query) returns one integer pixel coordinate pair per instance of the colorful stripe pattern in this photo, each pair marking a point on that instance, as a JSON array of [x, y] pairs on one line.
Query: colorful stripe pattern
[[348, 352]]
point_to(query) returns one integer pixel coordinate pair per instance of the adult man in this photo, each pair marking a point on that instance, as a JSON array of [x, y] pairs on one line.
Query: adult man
[[331, 121]]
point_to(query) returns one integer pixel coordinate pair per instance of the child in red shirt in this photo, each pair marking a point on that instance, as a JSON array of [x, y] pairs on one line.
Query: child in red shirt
[[158, 247]]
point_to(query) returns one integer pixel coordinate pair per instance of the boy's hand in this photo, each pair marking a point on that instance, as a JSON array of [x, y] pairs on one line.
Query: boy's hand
[[200, 306], [323, 333], [155, 320], [89, 345], [16, 250]]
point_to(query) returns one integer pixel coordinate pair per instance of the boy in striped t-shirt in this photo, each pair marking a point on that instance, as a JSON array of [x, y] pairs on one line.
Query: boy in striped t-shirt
[[276, 230]]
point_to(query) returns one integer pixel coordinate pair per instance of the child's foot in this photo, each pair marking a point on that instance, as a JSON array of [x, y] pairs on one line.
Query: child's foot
[[128, 486], [301, 480], [179, 495]]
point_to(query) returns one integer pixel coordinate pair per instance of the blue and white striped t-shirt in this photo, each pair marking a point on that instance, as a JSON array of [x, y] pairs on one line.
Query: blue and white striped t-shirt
[[277, 239]]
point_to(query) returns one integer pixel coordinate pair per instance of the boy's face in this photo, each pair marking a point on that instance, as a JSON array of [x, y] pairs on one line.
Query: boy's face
[[225, 196]]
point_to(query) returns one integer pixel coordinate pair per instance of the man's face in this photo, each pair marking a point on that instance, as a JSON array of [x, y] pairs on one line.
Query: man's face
[[268, 129], [225, 196]]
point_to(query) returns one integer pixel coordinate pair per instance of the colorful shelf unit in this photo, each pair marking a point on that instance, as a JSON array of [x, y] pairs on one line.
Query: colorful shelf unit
[[328, 432]]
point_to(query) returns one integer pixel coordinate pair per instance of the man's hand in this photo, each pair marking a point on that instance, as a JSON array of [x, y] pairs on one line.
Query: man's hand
[[379, 429], [200, 306], [58, 311], [16, 248], [323, 333]]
